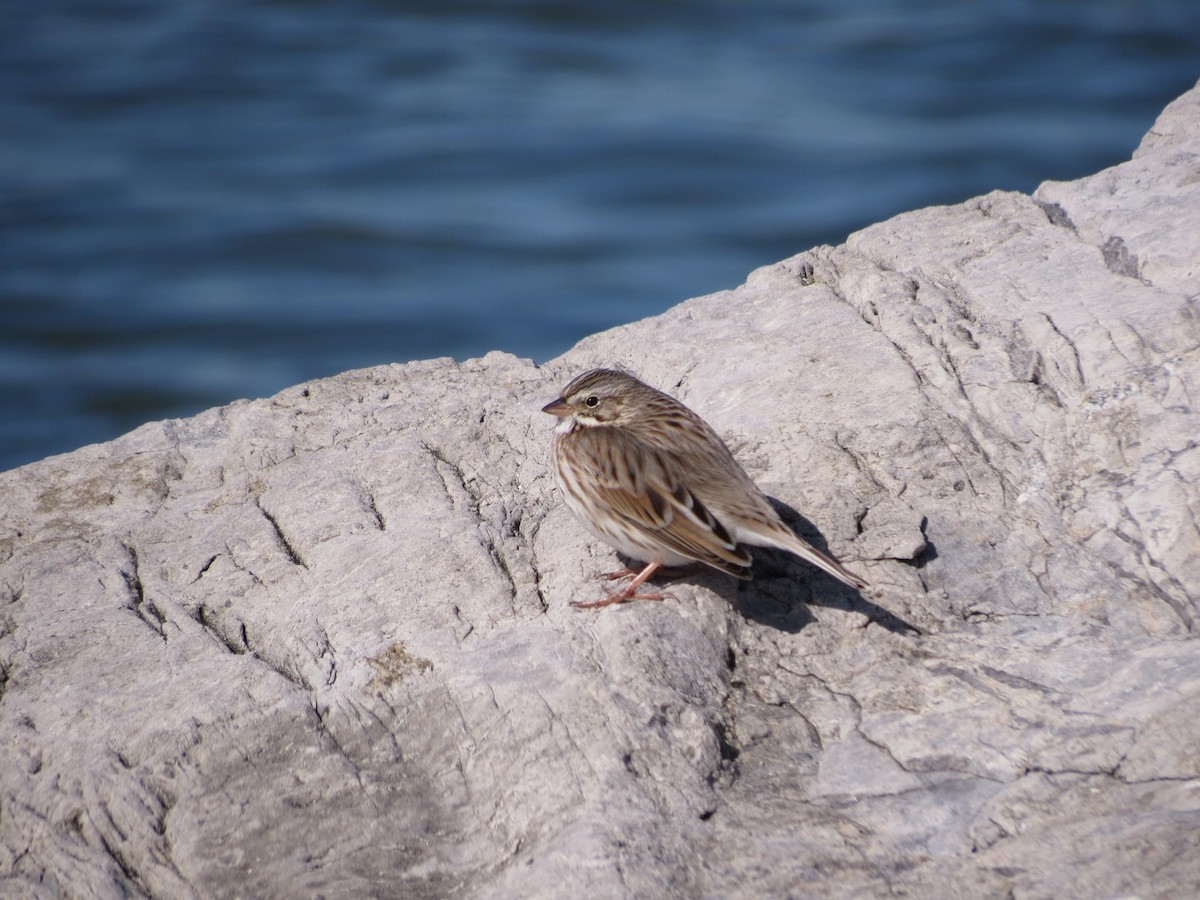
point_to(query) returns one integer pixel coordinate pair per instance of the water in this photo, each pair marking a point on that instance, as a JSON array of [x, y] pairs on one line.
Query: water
[[202, 200]]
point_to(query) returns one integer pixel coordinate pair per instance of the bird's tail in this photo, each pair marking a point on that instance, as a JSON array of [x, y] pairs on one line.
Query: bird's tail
[[785, 540]]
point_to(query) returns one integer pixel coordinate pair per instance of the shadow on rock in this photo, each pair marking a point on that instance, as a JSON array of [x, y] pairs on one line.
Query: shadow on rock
[[784, 587]]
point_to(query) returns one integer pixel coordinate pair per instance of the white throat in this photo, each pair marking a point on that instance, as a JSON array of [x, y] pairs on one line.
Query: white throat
[[570, 423]]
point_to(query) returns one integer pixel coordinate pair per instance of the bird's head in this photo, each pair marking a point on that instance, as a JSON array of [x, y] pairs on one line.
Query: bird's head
[[601, 397]]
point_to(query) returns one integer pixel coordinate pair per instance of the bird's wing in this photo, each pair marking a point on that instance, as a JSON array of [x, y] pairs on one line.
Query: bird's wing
[[648, 491]]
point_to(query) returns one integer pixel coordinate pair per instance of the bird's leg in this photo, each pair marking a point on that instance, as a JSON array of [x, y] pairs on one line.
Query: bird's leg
[[664, 571], [627, 593]]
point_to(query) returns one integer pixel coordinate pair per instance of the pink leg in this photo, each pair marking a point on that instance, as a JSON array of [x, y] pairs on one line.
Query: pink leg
[[627, 593], [662, 570]]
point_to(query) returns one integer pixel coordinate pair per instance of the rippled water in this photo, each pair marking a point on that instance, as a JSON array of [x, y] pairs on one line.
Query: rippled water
[[207, 200]]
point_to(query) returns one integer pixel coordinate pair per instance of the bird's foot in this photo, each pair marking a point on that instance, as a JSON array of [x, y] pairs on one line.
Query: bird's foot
[[627, 593], [619, 597]]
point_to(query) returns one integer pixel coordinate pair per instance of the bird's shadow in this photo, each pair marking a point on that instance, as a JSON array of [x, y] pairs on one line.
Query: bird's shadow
[[784, 587]]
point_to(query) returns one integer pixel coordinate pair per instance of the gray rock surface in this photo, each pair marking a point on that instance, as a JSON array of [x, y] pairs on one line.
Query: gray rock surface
[[319, 645]]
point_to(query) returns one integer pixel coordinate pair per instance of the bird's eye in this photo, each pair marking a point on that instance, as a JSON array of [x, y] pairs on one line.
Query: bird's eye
[[592, 400]]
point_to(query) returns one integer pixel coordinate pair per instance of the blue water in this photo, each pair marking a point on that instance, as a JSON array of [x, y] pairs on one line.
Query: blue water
[[202, 200]]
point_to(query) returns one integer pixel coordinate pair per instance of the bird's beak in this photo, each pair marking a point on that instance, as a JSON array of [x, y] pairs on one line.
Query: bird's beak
[[558, 407]]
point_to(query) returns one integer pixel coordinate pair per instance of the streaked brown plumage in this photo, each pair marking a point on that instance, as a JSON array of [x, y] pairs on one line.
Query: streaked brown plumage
[[650, 477]]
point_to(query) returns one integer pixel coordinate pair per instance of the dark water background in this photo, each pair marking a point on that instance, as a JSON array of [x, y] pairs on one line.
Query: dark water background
[[202, 200]]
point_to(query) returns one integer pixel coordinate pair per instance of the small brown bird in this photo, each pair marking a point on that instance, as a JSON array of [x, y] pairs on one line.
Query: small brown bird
[[650, 477]]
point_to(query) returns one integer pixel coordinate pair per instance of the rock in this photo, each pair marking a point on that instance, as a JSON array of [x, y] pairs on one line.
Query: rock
[[320, 644]]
